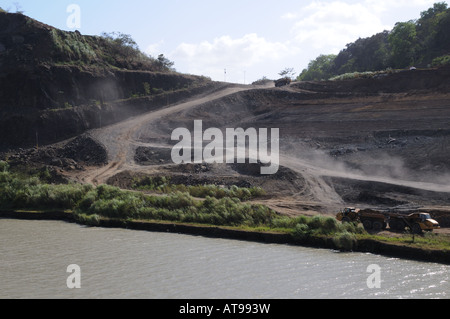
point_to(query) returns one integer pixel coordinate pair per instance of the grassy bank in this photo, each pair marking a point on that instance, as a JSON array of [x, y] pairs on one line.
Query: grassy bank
[[204, 204], [228, 209], [164, 185]]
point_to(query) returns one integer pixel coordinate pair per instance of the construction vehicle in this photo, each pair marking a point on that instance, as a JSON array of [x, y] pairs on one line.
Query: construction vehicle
[[373, 220], [283, 82]]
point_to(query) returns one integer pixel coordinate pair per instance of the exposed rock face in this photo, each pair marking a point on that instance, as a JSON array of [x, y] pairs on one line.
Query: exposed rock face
[[429, 80], [73, 154], [56, 84]]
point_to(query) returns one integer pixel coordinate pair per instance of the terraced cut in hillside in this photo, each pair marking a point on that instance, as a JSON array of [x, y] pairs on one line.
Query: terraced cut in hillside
[[96, 110], [337, 148]]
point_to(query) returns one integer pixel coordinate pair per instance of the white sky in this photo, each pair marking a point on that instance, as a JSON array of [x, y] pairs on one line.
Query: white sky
[[248, 38]]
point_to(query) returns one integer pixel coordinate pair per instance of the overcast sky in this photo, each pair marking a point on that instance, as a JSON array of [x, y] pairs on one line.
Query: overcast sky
[[248, 38]]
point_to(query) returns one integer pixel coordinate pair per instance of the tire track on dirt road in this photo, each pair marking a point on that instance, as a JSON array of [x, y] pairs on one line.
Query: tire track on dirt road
[[119, 139]]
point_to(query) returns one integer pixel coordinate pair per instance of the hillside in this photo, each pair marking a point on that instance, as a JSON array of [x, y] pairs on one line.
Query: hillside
[[381, 141], [56, 84], [86, 129], [423, 43]]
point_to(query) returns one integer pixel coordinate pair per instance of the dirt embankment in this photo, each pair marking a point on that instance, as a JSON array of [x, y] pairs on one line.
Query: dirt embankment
[[56, 85], [68, 101], [365, 246], [72, 155], [406, 81], [346, 145], [378, 143], [340, 144]]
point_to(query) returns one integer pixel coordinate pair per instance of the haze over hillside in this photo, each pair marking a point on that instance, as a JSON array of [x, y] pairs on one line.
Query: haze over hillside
[[56, 84], [334, 135], [92, 117]]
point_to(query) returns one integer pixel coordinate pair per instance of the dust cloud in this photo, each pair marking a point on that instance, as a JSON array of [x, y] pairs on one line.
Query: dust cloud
[[382, 168]]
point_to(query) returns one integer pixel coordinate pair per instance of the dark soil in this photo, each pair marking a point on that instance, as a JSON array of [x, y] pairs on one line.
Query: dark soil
[[395, 138], [71, 155], [153, 156]]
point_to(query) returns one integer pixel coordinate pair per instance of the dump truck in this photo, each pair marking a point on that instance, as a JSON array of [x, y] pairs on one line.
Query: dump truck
[[282, 82], [373, 220]]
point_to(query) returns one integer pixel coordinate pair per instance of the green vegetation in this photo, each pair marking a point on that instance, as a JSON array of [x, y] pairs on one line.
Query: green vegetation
[[362, 75], [343, 234], [120, 50], [219, 207], [423, 42], [430, 241], [147, 88], [442, 60], [402, 40], [116, 50], [30, 192], [73, 47], [319, 69], [164, 185], [165, 64]]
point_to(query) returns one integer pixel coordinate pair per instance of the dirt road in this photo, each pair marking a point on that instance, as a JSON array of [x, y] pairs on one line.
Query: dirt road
[[121, 139], [332, 147]]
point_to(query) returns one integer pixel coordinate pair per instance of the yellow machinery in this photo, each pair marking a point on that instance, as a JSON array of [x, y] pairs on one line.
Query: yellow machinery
[[377, 221]]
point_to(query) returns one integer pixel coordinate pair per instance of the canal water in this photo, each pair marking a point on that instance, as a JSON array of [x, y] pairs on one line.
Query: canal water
[[127, 264]]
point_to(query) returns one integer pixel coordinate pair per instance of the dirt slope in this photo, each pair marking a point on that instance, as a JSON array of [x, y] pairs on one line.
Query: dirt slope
[[338, 147], [57, 84]]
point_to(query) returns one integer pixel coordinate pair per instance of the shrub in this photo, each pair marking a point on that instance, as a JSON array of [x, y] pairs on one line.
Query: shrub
[[323, 225], [441, 61], [284, 222], [87, 201], [111, 202], [179, 201], [4, 167], [89, 220], [163, 184], [19, 192], [301, 231], [221, 206], [345, 241], [362, 75], [354, 228]]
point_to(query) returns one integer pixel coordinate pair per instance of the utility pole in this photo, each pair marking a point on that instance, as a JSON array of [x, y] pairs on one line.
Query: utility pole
[[225, 75]]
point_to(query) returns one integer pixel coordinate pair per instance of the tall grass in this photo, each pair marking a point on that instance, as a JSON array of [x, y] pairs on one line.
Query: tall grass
[[164, 185], [343, 234], [363, 75], [221, 207], [21, 193], [91, 204], [112, 202]]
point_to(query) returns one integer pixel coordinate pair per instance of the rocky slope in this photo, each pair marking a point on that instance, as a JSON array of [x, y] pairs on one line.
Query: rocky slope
[[381, 141], [56, 84]]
